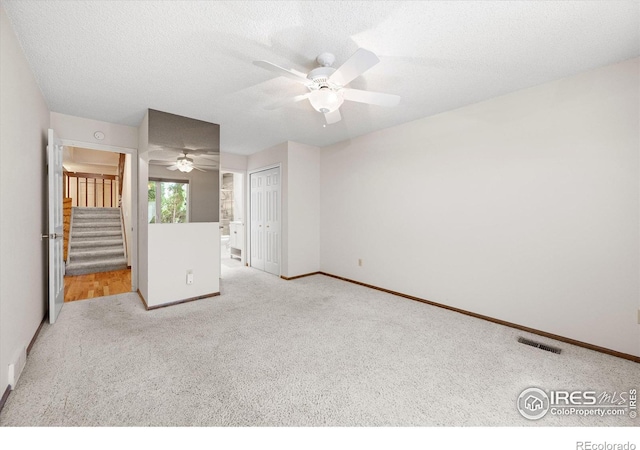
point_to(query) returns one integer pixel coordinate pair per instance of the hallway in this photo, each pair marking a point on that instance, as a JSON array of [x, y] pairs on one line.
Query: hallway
[[92, 285]]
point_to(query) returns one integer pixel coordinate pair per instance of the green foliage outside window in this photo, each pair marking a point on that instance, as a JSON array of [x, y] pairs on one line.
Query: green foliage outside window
[[168, 202]]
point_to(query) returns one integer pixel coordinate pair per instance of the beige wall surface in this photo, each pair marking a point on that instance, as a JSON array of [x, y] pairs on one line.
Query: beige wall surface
[[24, 119], [524, 208]]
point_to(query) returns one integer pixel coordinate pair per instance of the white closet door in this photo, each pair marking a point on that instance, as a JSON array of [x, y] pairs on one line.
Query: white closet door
[[272, 221], [257, 220], [265, 220]]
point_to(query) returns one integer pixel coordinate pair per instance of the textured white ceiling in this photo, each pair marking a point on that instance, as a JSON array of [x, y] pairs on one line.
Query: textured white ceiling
[[111, 60]]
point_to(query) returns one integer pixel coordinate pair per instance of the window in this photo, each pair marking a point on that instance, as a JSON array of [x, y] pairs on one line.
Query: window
[[168, 201]]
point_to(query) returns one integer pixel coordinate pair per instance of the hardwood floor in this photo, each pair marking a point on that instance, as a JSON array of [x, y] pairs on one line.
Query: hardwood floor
[[83, 287]]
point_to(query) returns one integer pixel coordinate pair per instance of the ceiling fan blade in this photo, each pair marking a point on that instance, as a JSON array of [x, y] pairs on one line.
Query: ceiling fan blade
[[287, 101], [333, 117], [361, 61], [372, 98], [200, 151], [209, 157], [174, 167], [289, 73], [162, 154], [198, 168]]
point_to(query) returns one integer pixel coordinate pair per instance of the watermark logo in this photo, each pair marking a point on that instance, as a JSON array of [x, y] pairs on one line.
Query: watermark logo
[[533, 403]]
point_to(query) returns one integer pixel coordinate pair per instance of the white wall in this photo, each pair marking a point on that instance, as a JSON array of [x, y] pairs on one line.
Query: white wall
[[303, 209], [127, 205], [300, 197], [24, 120], [143, 196], [266, 158], [524, 208], [176, 248], [81, 130], [231, 162]]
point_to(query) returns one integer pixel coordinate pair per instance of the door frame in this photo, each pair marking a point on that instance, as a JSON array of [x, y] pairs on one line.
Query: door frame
[[245, 210], [134, 195], [248, 210]]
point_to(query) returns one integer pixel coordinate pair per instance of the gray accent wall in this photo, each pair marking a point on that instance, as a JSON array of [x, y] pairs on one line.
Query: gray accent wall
[[172, 133]]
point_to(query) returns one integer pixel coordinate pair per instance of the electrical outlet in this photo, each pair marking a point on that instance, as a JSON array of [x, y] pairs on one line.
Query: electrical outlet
[[17, 365], [189, 277], [360, 262]]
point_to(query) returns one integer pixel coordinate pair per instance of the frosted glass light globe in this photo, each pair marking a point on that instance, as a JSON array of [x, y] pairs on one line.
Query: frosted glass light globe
[[325, 100]]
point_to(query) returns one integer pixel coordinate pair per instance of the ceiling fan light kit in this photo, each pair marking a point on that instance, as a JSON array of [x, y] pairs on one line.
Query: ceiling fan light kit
[[326, 100], [184, 164], [327, 85], [189, 159]]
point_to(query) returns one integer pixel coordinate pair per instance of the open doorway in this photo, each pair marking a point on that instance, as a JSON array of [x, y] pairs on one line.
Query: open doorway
[[98, 210], [232, 219]]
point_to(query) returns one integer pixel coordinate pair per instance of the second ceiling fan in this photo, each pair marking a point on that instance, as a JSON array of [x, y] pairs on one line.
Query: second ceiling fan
[[327, 85]]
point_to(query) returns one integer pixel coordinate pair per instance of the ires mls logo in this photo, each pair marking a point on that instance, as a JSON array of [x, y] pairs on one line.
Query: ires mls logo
[[534, 403]]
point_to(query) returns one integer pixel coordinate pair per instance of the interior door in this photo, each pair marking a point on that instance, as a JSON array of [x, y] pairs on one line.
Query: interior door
[[272, 221], [257, 220], [55, 226]]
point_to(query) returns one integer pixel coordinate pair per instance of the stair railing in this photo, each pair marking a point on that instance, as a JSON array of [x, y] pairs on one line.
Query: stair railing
[[83, 182]]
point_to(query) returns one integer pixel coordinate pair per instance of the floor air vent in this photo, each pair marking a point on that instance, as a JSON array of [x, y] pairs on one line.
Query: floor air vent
[[539, 345]]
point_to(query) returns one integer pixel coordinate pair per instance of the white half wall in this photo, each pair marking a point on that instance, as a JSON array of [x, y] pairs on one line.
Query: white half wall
[[524, 208], [303, 209], [24, 120], [174, 250]]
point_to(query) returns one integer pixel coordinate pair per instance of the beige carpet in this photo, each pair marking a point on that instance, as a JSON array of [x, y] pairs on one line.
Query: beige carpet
[[314, 351]]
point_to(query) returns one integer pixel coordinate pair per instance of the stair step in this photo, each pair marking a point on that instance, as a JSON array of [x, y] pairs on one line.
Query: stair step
[[84, 209], [95, 243], [97, 254], [95, 225], [98, 234], [96, 218], [105, 265]]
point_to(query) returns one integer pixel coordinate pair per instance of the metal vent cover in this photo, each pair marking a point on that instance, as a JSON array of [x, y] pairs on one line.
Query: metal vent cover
[[539, 345]]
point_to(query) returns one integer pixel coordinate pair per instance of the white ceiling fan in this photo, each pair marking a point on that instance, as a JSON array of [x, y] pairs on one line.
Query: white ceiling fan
[[190, 159], [327, 85]]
